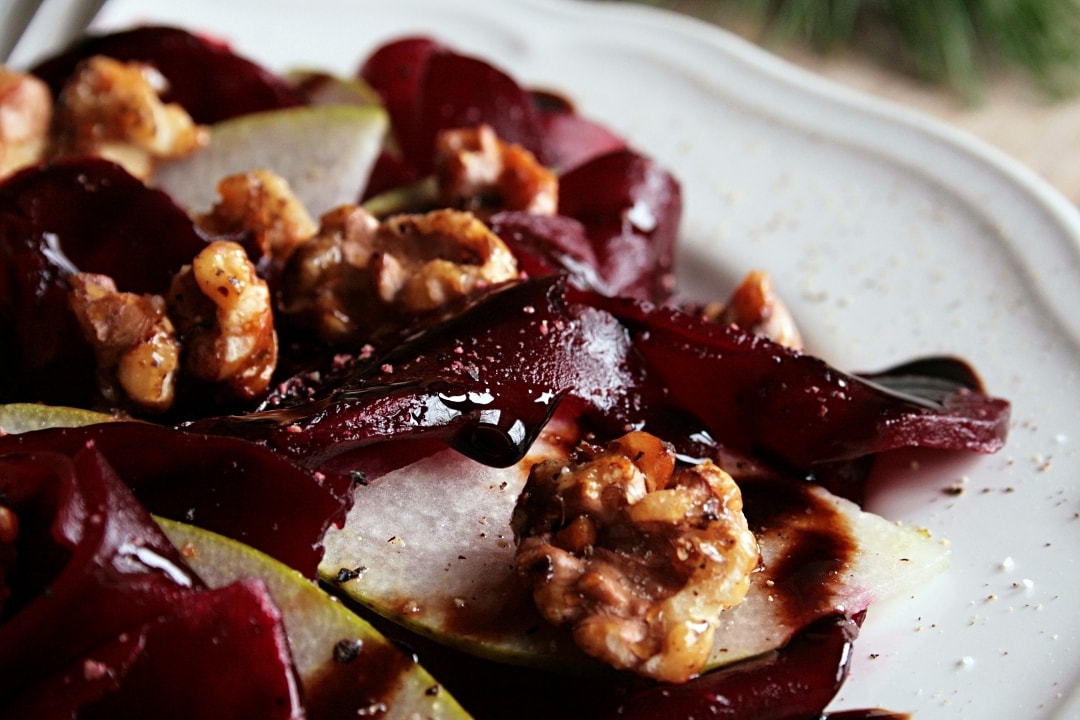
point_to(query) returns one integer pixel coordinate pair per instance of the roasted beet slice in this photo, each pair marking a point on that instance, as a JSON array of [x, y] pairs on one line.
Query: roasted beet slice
[[205, 76], [616, 229], [795, 684], [548, 244], [225, 485], [428, 87], [395, 70], [630, 207], [116, 588], [84, 215], [200, 644], [487, 380], [759, 397], [571, 139]]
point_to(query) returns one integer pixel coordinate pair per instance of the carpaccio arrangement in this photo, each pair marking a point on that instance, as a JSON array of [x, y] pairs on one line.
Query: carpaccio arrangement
[[499, 288]]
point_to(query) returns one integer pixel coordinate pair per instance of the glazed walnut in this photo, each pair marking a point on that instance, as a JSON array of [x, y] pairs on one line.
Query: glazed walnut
[[637, 556], [261, 204], [112, 109], [755, 307], [359, 275], [223, 312], [25, 115], [477, 171], [133, 340]]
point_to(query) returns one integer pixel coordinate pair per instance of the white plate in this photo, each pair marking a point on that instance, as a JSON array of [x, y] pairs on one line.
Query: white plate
[[890, 235]]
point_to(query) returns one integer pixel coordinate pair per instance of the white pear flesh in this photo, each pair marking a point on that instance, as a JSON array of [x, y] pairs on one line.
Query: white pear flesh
[[324, 152], [430, 546], [315, 623]]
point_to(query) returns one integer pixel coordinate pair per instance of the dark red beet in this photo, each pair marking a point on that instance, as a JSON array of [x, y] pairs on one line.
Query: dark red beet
[[796, 684], [569, 138], [455, 383], [427, 87], [625, 364], [547, 245], [87, 215], [119, 593], [226, 485], [207, 78], [630, 208], [395, 70], [761, 398]]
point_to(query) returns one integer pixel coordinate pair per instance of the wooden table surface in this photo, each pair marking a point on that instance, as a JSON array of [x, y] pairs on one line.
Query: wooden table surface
[[1013, 116]]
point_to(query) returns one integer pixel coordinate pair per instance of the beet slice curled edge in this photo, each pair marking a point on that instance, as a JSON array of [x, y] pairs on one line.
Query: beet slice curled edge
[[85, 215], [762, 398], [124, 624], [487, 380], [226, 485], [204, 76]]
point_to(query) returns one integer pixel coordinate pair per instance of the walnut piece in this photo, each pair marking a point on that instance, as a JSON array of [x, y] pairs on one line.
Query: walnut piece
[[133, 340], [756, 308], [262, 204], [25, 116], [358, 275], [479, 172], [223, 312], [637, 556], [113, 110]]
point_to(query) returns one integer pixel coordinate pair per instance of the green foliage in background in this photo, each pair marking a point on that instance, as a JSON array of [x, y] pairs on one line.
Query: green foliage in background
[[957, 43]]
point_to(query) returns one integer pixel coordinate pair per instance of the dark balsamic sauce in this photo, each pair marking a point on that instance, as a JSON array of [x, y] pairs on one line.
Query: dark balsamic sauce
[[359, 678]]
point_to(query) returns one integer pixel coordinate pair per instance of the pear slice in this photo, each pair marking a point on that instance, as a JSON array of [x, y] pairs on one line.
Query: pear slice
[[18, 418], [324, 152], [429, 546], [323, 88], [343, 662]]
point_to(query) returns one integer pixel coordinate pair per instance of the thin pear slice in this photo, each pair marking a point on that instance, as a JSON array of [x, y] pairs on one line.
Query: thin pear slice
[[325, 152], [18, 418], [343, 662], [429, 546], [323, 88]]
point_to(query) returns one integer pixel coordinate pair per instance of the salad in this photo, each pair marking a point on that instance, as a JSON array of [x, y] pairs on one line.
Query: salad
[[414, 333]]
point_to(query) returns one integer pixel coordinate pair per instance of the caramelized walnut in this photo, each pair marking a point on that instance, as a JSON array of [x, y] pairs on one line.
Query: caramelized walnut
[[477, 171], [133, 340], [262, 204], [637, 556], [113, 110], [326, 285], [358, 275], [223, 312], [755, 307], [25, 115]]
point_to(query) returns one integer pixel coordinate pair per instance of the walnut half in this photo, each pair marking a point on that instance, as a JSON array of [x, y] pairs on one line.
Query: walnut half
[[133, 341], [637, 556]]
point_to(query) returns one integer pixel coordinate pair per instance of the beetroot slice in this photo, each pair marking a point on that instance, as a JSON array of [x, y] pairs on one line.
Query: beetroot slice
[[84, 215], [116, 590], [207, 78], [226, 485], [159, 664], [631, 208], [795, 684], [487, 380], [427, 87], [571, 139], [761, 398]]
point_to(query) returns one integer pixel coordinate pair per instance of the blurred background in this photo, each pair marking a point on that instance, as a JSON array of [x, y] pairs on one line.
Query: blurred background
[[1007, 71]]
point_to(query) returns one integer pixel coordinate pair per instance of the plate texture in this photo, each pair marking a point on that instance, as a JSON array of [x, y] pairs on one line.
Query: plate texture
[[890, 235]]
